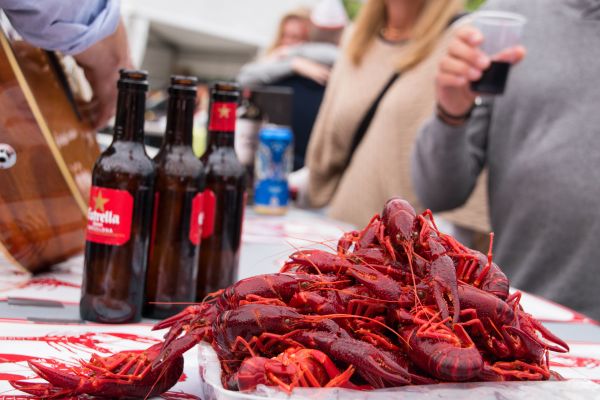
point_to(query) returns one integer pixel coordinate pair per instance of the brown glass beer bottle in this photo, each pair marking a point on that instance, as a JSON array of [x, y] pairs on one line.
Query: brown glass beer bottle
[[178, 208], [120, 214], [248, 125], [224, 195]]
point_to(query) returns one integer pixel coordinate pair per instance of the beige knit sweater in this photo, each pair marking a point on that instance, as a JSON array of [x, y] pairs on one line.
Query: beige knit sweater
[[380, 166]]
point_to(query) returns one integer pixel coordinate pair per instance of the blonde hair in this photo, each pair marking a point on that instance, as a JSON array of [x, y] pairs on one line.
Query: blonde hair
[[301, 13], [428, 28]]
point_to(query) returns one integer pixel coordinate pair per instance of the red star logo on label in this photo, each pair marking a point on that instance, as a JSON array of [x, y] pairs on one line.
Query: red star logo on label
[[100, 202], [222, 116], [223, 111]]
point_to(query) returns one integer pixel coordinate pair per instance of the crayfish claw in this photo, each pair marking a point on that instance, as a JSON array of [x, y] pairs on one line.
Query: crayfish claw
[[445, 285], [189, 316], [174, 349], [123, 375], [561, 346], [42, 390], [62, 385], [530, 346], [55, 376]]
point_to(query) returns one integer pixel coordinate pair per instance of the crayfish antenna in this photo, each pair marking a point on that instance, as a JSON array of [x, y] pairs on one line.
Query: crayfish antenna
[[184, 317]]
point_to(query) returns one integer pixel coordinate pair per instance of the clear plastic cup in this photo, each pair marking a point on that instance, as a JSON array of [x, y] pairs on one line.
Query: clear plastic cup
[[501, 30]]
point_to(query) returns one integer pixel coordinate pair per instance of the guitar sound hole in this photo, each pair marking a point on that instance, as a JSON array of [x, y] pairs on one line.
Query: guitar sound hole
[[8, 156]]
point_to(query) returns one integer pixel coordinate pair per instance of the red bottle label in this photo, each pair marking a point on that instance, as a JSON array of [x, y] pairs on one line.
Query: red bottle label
[[222, 117], [197, 219], [109, 216], [210, 205]]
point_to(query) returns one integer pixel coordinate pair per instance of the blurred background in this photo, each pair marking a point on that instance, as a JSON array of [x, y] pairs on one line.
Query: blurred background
[[209, 39], [213, 41], [206, 38]]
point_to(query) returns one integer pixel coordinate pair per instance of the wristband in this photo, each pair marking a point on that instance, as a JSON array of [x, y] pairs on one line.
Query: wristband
[[453, 120]]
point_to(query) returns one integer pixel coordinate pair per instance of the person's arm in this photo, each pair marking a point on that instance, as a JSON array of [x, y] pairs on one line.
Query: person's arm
[[68, 26], [101, 63], [447, 160], [264, 72], [314, 61], [322, 53], [451, 149], [311, 60], [89, 30], [267, 72]]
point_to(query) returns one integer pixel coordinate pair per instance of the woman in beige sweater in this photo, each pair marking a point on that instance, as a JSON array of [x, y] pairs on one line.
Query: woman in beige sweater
[[405, 36]]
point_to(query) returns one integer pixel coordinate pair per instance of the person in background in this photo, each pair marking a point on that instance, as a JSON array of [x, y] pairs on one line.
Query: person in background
[[89, 30], [305, 69], [312, 58], [539, 141], [390, 37], [293, 29]]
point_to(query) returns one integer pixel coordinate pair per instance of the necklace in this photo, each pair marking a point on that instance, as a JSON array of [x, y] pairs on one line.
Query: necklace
[[393, 34]]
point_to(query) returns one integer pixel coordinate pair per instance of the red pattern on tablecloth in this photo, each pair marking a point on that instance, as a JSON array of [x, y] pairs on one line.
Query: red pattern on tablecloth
[[53, 344], [66, 344]]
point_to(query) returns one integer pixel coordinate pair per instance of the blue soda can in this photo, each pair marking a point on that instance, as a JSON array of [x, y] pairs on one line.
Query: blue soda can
[[273, 164]]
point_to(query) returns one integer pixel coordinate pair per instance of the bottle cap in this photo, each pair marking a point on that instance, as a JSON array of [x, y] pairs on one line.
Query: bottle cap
[[228, 89], [133, 79], [184, 80], [225, 87], [186, 84]]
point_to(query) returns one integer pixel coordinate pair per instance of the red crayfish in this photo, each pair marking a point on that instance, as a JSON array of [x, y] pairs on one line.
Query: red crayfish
[[399, 303]]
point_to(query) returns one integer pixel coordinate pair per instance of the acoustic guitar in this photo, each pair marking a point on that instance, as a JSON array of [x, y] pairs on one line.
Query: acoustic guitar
[[47, 151]]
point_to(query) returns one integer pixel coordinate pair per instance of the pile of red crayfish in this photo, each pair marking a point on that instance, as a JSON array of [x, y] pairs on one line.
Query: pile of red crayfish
[[398, 303]]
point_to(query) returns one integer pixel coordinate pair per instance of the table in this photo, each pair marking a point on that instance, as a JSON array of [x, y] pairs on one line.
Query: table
[[39, 314]]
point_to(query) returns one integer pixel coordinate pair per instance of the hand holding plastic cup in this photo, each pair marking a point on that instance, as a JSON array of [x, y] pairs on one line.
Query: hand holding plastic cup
[[501, 30]]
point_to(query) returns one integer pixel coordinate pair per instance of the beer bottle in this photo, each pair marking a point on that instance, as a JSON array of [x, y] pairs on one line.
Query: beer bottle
[[248, 125], [224, 195], [120, 214], [178, 208]]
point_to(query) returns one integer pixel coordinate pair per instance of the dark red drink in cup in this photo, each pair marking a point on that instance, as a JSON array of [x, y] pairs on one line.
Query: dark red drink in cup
[[501, 30], [493, 80]]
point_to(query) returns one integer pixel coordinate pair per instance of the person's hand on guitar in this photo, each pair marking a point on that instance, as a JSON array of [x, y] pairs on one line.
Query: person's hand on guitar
[[101, 63], [89, 30]]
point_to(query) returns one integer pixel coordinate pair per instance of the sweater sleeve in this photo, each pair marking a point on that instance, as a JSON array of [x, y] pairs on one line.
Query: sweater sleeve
[[322, 53], [447, 160], [68, 26], [269, 71], [265, 72]]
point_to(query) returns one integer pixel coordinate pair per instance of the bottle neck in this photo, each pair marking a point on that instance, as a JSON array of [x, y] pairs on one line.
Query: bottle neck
[[180, 120], [220, 139], [129, 121], [221, 124]]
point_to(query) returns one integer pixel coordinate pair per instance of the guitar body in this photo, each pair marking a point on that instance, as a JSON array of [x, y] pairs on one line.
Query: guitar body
[[47, 152]]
